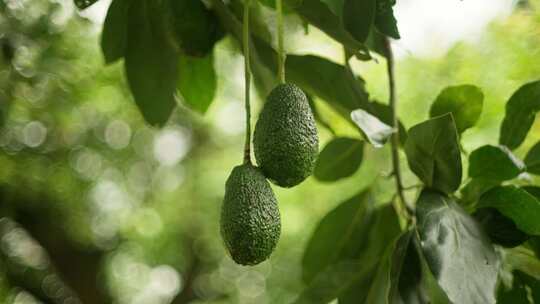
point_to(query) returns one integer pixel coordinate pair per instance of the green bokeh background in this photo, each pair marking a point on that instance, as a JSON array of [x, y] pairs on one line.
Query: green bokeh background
[[95, 206]]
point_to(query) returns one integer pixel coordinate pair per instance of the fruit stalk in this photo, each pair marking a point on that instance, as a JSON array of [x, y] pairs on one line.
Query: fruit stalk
[[394, 141], [247, 85], [281, 49]]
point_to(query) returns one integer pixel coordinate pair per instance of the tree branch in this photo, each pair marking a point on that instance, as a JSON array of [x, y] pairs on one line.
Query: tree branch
[[395, 137]]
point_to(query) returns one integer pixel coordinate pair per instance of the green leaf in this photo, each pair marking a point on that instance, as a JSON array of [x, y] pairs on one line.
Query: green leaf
[[472, 191], [333, 83], [516, 204], [82, 4], [343, 227], [327, 80], [342, 255], [197, 81], [517, 294], [320, 14], [383, 230], [457, 251], [496, 163], [384, 288], [500, 229], [464, 102], [317, 76], [410, 286], [521, 110], [195, 28], [340, 158], [532, 159], [375, 131], [532, 283], [533, 190], [385, 21], [433, 153], [151, 65], [114, 35], [358, 17]]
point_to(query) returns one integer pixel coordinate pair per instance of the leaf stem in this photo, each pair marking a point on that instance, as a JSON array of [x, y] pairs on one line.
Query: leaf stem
[[395, 123], [281, 48], [247, 85]]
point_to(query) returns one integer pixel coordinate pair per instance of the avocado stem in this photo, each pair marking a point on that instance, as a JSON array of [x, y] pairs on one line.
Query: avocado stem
[[408, 211], [281, 48], [247, 85]]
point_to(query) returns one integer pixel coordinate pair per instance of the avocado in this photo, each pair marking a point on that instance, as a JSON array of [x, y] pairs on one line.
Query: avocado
[[285, 141], [250, 220]]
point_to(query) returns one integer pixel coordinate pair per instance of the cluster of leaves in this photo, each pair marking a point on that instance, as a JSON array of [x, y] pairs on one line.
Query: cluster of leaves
[[458, 249], [167, 50]]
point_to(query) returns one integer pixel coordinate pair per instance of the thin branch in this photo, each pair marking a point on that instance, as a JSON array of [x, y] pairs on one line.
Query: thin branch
[[395, 137], [247, 77], [281, 48]]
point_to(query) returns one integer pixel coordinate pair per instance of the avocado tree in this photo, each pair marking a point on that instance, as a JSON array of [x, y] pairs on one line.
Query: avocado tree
[[449, 239]]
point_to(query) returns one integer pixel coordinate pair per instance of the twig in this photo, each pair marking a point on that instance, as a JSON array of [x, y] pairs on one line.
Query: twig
[[395, 137], [247, 77]]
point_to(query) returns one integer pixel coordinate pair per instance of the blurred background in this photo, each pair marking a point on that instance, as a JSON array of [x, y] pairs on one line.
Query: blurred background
[[97, 207]]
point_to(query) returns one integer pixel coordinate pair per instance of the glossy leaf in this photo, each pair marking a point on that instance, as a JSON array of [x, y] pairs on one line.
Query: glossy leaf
[[456, 249], [197, 81], [151, 65], [464, 102], [433, 153], [385, 21], [82, 4], [340, 158], [374, 130], [521, 110], [494, 163], [532, 160], [516, 204], [384, 288], [358, 17], [114, 35]]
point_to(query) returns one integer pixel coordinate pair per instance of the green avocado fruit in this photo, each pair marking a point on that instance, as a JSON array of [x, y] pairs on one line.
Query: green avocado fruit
[[250, 220], [285, 140]]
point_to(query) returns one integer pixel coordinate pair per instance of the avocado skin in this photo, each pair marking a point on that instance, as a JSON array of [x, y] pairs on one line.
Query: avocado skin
[[250, 220], [285, 141]]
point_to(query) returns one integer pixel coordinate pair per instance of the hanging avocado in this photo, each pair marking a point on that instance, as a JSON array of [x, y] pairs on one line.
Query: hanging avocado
[[285, 139], [250, 220]]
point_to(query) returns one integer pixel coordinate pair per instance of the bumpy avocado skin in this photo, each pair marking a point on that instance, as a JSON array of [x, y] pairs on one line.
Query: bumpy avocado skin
[[250, 220], [285, 141]]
